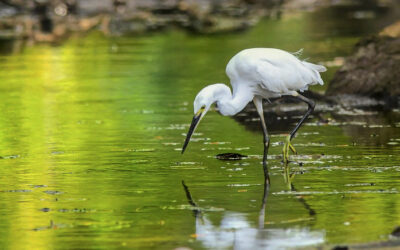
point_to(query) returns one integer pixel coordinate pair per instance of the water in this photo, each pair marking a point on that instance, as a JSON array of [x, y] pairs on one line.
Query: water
[[91, 132]]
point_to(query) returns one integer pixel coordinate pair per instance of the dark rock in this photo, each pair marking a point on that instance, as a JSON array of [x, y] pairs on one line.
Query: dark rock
[[230, 156], [373, 69]]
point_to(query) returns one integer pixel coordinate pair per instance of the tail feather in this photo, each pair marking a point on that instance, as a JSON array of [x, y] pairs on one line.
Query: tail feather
[[316, 67]]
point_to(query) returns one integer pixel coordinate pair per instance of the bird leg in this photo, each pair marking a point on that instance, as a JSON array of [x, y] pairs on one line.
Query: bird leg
[[258, 103], [288, 145]]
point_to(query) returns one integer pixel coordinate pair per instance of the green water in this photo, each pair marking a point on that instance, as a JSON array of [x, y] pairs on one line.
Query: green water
[[90, 139]]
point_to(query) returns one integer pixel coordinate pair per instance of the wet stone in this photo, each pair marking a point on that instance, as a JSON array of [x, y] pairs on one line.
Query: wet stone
[[230, 156]]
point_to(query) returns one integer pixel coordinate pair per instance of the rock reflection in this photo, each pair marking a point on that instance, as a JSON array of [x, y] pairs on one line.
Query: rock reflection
[[236, 231]]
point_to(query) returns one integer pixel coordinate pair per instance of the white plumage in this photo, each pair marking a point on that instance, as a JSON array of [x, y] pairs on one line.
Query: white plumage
[[271, 72], [257, 74]]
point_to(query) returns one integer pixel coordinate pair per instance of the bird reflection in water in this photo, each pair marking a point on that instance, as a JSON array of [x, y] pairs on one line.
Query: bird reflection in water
[[237, 232]]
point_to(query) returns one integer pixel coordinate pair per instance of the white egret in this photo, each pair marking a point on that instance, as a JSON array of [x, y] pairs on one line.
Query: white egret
[[257, 74]]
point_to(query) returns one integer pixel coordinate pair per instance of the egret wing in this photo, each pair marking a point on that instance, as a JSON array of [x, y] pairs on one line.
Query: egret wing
[[282, 76]]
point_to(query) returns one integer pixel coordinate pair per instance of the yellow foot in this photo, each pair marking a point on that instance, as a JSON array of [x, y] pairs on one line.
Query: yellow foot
[[288, 145]]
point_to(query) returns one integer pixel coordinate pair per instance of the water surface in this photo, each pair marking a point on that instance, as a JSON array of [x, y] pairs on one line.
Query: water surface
[[91, 132]]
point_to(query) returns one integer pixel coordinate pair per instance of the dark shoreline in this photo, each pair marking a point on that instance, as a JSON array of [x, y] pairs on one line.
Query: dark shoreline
[[50, 21]]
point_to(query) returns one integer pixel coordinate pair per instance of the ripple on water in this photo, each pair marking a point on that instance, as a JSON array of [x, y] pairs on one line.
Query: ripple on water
[[186, 167], [17, 191], [52, 225], [10, 157], [145, 150], [177, 127], [171, 143], [190, 207], [387, 191], [139, 161], [52, 192]]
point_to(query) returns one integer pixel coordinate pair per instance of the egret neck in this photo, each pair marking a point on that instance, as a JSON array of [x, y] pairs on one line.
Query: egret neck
[[229, 105]]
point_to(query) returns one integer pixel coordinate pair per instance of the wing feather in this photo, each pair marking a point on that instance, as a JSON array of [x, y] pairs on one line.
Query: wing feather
[[316, 67], [273, 70], [282, 76]]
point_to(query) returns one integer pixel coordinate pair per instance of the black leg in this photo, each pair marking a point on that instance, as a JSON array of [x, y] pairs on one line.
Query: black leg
[[265, 166], [288, 146], [258, 103], [311, 106]]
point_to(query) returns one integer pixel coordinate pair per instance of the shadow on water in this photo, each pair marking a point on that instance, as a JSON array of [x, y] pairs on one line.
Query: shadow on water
[[237, 232]]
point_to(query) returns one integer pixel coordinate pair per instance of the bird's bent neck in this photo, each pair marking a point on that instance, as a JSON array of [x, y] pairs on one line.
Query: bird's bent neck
[[229, 105]]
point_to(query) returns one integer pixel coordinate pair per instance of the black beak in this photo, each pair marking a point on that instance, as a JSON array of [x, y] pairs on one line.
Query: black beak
[[193, 126]]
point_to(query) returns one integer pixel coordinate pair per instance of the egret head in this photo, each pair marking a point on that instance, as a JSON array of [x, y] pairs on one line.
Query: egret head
[[202, 103]]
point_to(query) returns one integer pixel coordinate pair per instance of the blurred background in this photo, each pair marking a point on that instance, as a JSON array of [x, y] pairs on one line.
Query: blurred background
[[96, 98], [43, 20]]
